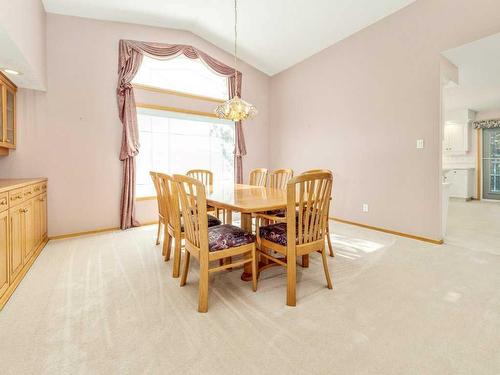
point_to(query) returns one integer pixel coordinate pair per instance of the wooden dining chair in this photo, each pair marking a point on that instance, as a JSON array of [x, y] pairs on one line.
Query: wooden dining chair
[[328, 239], [205, 176], [161, 211], [174, 228], [304, 231], [279, 178], [258, 177], [209, 244]]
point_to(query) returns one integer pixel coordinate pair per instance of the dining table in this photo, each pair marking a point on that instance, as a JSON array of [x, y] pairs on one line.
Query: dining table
[[247, 200]]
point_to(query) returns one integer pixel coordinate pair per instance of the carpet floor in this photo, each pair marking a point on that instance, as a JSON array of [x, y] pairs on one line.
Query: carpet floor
[[107, 304]]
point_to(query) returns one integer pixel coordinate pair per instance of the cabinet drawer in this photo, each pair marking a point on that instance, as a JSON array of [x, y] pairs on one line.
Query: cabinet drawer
[[16, 197], [38, 188], [28, 192], [4, 201]]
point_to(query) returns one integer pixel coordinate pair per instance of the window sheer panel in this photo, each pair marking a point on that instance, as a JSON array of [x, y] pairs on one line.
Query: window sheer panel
[[174, 143], [184, 75]]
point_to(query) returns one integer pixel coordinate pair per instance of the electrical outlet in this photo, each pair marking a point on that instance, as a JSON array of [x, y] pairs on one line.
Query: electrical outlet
[[420, 143], [365, 207]]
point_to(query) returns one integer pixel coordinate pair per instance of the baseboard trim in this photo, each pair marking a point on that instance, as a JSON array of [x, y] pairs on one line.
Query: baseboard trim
[[95, 231], [425, 239], [12, 287]]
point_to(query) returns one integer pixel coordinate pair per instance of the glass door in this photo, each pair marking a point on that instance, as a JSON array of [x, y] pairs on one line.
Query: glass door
[[2, 136], [491, 163], [11, 110]]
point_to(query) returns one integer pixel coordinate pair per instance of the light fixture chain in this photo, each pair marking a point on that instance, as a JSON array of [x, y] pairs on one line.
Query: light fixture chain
[[236, 46]]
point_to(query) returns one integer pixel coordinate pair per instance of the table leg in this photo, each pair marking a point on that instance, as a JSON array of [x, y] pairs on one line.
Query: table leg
[[246, 224]]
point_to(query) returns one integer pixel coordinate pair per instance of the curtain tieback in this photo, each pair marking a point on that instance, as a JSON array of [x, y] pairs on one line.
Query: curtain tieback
[[124, 87]]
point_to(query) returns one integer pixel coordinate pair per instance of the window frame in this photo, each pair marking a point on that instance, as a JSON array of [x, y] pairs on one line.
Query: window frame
[[181, 111]]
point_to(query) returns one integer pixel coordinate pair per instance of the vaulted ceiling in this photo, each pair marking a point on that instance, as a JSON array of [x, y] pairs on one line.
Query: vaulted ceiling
[[479, 75], [273, 34]]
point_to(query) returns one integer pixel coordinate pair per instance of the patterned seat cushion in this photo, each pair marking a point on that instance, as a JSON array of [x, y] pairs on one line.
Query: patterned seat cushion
[[279, 213], [275, 233], [212, 222], [223, 237]]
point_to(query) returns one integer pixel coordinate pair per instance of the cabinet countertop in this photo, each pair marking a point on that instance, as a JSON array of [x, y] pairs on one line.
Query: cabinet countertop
[[15, 183]]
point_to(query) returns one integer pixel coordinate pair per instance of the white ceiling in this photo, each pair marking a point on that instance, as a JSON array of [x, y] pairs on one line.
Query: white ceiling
[[479, 75], [273, 34]]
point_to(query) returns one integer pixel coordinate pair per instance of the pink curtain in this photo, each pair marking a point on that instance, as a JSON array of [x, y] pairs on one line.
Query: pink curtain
[[129, 61], [239, 148]]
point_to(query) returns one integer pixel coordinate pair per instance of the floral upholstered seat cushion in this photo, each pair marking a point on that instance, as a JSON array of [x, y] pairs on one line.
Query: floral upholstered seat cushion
[[275, 233], [223, 237], [279, 213], [212, 222]]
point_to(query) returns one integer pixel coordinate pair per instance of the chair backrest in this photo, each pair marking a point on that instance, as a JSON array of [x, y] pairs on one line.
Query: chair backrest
[[258, 177], [310, 194], [317, 171], [194, 211], [279, 178], [154, 177], [205, 176], [170, 200]]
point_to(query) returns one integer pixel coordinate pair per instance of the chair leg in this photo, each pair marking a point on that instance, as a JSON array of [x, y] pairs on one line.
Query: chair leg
[[185, 269], [177, 258], [203, 288], [325, 268], [330, 247], [254, 269], [305, 261], [291, 278], [167, 244], [158, 233]]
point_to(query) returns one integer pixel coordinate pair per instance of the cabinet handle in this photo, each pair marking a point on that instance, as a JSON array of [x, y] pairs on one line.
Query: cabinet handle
[[24, 210], [3, 203], [28, 193]]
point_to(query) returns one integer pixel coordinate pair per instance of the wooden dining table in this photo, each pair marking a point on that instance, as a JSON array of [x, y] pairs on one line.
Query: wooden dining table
[[247, 200]]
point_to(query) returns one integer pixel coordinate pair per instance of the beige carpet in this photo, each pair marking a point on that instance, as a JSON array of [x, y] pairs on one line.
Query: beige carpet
[[107, 304]]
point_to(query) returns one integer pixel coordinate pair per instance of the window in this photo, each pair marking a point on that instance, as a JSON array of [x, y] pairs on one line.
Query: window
[[182, 74], [174, 143]]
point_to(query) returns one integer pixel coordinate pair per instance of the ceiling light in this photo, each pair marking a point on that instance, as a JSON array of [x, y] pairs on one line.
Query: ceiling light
[[235, 109], [11, 71]]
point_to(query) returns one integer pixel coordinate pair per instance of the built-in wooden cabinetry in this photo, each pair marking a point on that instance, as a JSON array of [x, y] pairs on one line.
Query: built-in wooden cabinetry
[[23, 230], [7, 115]]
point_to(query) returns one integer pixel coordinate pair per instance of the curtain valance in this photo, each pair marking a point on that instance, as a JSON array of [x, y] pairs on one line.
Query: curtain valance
[[486, 124], [129, 60]]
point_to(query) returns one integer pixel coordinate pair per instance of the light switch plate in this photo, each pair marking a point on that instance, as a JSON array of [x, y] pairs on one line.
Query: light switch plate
[[365, 207], [420, 143]]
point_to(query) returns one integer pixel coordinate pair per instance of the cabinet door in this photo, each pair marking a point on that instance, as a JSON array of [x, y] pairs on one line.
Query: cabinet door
[[16, 241], [28, 230], [10, 102], [37, 221], [4, 251], [43, 217]]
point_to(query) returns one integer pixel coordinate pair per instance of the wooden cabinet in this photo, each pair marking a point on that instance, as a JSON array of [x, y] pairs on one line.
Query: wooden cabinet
[[23, 230], [7, 115]]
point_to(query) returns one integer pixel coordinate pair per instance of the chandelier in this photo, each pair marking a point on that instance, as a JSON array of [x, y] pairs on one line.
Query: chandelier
[[235, 109]]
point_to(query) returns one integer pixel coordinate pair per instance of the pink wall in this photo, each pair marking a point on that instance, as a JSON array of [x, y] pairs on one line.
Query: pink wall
[[24, 22], [359, 106], [71, 134]]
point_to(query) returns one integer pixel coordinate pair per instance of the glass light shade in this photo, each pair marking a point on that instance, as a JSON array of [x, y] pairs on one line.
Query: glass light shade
[[235, 109]]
